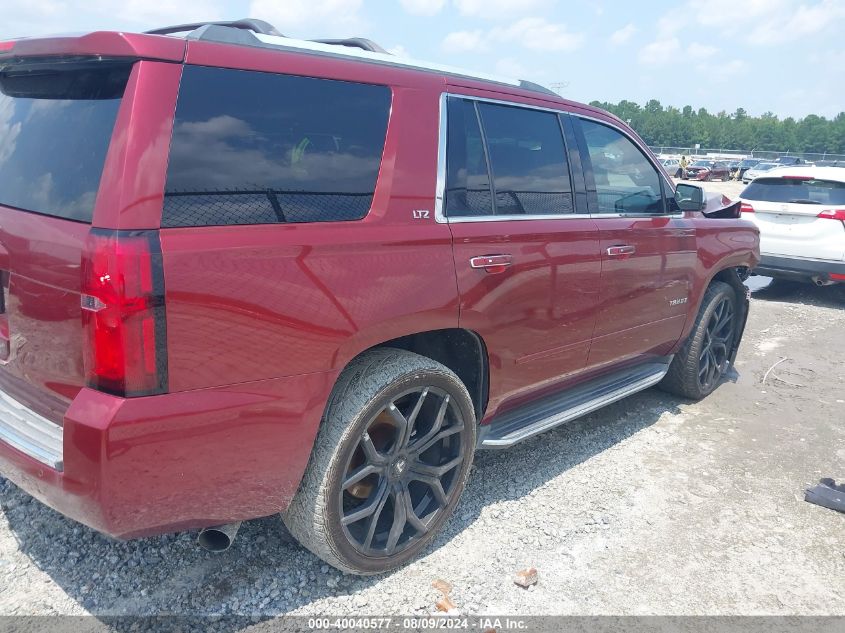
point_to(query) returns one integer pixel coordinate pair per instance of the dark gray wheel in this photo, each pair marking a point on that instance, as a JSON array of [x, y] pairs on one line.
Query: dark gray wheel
[[705, 356], [389, 464]]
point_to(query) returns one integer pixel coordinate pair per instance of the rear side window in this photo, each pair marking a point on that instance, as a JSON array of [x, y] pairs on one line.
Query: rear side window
[[56, 123], [260, 148], [520, 150], [625, 180], [527, 160], [826, 192], [467, 179]]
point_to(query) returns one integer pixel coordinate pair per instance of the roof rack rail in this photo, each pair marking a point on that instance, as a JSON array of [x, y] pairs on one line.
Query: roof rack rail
[[247, 24], [356, 42], [252, 32]]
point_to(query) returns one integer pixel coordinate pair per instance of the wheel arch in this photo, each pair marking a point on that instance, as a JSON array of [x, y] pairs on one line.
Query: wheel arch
[[461, 350]]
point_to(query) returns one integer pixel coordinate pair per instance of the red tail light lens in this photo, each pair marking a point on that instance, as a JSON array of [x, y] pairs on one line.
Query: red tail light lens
[[746, 208], [123, 313], [833, 214]]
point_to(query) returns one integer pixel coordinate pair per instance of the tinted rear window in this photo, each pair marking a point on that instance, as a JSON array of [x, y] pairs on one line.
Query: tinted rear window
[[824, 192], [56, 123], [260, 148]]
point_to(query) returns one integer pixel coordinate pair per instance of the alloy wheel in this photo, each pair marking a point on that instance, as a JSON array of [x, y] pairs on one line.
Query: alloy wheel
[[403, 472], [713, 359]]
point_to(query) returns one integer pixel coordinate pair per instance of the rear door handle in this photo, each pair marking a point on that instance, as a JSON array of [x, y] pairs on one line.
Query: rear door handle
[[624, 250], [491, 263]]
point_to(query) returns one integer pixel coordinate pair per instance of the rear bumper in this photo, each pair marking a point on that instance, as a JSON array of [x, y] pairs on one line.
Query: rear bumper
[[798, 268], [142, 466]]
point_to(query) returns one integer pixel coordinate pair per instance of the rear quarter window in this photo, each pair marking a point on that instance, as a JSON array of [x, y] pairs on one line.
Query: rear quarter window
[[260, 148], [56, 123], [823, 192]]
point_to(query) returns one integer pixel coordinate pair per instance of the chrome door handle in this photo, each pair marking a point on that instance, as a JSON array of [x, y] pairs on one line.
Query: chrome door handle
[[491, 263], [621, 251]]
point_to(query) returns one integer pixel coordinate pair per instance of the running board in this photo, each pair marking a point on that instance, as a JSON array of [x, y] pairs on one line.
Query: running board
[[536, 417]]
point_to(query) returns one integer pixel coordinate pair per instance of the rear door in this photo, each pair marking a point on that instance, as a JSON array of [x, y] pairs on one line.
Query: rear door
[[56, 123], [526, 251], [798, 216], [648, 250]]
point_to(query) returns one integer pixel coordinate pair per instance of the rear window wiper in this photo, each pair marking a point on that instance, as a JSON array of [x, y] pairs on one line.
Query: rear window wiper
[[804, 201]]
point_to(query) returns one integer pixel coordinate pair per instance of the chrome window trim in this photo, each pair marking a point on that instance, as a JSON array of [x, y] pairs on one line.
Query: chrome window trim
[[534, 216], [599, 216], [440, 194]]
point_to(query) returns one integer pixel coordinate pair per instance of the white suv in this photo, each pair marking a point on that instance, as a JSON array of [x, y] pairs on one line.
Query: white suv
[[800, 212]]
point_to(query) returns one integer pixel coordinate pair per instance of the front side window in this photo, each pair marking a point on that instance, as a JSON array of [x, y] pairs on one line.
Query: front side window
[[625, 180], [259, 148], [527, 160]]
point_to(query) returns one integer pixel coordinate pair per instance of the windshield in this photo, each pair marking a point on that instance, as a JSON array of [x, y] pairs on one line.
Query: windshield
[[56, 122], [749, 162], [766, 166], [823, 192], [701, 163]]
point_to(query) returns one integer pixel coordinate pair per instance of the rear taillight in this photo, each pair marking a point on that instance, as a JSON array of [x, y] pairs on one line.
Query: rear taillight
[[833, 214], [125, 351], [746, 208]]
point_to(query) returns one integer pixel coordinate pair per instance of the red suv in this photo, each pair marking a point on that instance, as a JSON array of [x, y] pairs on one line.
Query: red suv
[[246, 275]]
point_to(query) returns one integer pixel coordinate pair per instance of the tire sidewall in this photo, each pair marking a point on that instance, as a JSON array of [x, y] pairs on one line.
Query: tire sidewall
[[334, 531]]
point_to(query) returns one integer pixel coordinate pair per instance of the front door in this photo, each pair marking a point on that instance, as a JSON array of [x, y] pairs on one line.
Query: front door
[[526, 251], [648, 249]]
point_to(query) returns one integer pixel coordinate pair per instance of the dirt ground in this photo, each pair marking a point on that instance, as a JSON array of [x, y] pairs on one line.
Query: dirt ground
[[654, 505]]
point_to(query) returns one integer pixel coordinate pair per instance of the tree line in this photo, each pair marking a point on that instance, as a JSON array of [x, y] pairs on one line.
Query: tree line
[[684, 127]]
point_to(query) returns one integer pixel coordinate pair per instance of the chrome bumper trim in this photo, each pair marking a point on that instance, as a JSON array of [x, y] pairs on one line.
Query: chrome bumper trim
[[30, 433]]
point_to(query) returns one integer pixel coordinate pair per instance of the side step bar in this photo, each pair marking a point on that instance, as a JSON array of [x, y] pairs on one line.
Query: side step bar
[[519, 424]]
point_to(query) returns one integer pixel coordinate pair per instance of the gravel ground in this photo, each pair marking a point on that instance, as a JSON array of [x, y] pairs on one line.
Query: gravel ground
[[652, 506]]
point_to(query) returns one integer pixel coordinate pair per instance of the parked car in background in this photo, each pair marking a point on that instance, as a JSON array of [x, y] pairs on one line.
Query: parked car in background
[[800, 212], [789, 160], [708, 170], [757, 170], [672, 166], [830, 163], [744, 165], [284, 276]]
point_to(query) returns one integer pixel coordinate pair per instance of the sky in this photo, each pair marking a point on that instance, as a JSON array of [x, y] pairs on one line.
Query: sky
[[780, 56]]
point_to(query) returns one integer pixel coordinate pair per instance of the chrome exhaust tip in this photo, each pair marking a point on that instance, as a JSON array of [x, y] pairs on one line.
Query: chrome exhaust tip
[[218, 538]]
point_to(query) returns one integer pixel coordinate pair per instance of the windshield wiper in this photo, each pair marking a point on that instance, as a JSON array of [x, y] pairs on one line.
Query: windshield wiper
[[804, 201]]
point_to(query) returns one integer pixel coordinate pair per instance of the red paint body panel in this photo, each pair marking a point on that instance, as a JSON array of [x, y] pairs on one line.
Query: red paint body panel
[[261, 319], [266, 301], [42, 256], [143, 466], [99, 43], [635, 317], [132, 185], [537, 316]]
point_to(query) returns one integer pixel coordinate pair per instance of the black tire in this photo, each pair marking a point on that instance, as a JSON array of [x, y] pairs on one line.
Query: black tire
[[361, 432], [685, 373]]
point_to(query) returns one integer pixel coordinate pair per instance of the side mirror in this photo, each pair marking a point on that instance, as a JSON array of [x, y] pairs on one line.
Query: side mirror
[[689, 197]]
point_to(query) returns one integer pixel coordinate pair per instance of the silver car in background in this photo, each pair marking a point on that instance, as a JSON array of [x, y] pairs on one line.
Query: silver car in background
[[758, 170]]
